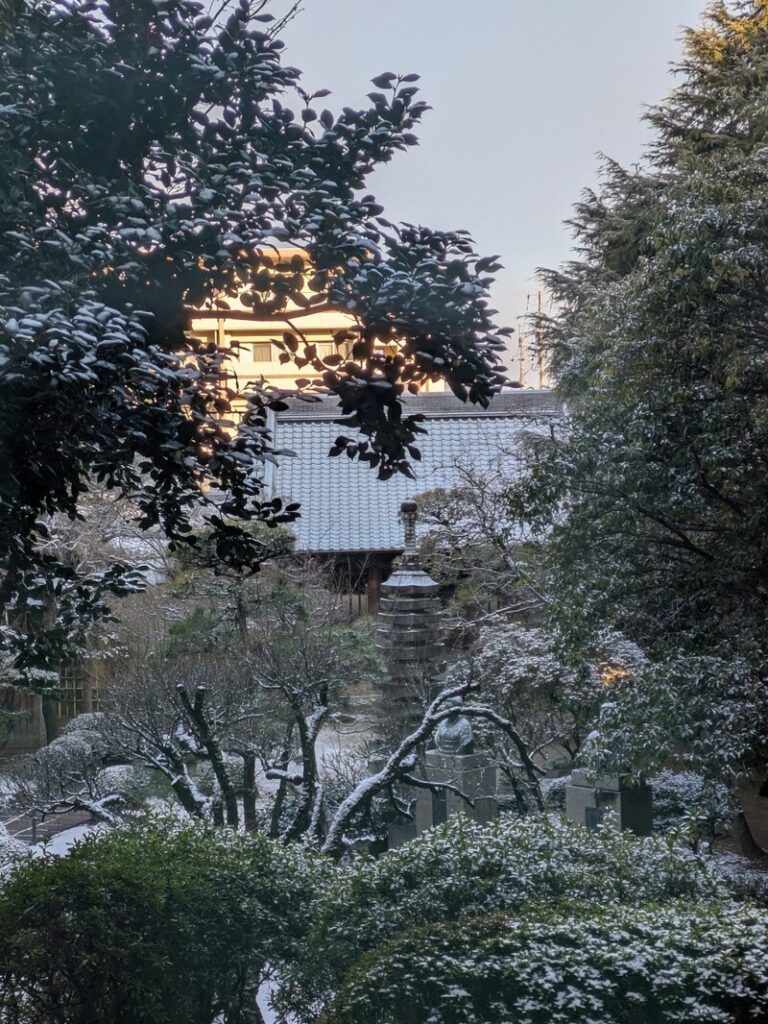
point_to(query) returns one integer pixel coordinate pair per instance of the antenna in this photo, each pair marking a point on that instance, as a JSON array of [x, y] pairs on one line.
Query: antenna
[[521, 344], [538, 345]]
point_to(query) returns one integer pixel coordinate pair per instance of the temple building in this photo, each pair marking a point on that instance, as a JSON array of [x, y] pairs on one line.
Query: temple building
[[350, 518]]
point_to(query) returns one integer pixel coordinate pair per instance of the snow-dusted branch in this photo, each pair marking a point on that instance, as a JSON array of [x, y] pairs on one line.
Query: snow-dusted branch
[[400, 762], [436, 787], [532, 770], [98, 809]]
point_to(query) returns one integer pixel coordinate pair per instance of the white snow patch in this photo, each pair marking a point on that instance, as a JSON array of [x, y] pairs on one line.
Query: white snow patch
[[62, 843]]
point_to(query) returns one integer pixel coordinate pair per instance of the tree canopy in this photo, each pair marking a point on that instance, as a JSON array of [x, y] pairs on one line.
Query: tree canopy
[[149, 162]]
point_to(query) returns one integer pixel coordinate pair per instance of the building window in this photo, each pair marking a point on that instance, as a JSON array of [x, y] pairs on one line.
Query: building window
[[259, 351], [72, 700], [330, 348]]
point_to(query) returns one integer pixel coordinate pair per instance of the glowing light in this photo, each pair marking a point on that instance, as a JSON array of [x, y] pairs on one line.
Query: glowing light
[[610, 674]]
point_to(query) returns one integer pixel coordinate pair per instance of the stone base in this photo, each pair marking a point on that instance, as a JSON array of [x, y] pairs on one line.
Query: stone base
[[470, 773], [612, 798]]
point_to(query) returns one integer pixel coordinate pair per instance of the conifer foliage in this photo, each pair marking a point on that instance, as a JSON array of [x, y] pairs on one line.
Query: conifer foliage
[[660, 347]]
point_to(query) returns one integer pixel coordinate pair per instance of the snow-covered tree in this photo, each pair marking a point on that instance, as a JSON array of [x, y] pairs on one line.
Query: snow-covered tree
[[153, 158], [659, 346], [67, 774], [237, 705], [549, 702], [477, 541]]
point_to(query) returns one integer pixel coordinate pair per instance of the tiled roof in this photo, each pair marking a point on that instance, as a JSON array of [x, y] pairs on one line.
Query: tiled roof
[[346, 508]]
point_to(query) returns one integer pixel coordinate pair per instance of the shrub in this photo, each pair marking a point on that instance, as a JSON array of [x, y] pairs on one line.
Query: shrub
[[137, 783], [462, 869], [148, 923], [747, 879], [553, 791], [687, 802], [577, 965]]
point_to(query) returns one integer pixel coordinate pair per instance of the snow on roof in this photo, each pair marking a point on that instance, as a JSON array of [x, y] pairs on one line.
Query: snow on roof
[[345, 508]]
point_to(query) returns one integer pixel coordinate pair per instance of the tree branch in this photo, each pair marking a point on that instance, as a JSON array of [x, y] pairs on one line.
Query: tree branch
[[402, 759]]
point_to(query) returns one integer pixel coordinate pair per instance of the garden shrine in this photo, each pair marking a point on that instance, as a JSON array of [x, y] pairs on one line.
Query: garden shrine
[[411, 638]]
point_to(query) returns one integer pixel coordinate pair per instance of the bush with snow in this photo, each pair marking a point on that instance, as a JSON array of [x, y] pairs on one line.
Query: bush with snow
[[11, 850], [747, 879], [689, 803], [137, 784], [90, 723], [553, 791], [464, 870], [576, 965], [150, 922]]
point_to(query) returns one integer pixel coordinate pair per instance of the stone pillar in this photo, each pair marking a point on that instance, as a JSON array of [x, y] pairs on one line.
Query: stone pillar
[[473, 774], [615, 798]]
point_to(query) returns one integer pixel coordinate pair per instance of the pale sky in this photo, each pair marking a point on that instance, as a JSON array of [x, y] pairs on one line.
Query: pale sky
[[525, 93]]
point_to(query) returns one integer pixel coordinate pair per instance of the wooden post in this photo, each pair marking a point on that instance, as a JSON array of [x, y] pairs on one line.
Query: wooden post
[[373, 587]]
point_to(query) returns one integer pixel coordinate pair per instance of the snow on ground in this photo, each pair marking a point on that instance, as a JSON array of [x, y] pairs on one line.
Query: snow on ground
[[62, 842]]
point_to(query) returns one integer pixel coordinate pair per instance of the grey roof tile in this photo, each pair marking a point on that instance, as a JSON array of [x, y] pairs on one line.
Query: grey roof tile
[[346, 508]]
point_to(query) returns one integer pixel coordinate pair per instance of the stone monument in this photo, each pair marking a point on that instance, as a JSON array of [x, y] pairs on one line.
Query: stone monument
[[454, 734], [454, 762], [410, 636], [618, 799]]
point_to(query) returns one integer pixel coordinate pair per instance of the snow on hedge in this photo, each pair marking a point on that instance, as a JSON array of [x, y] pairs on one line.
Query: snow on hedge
[[464, 870], [11, 850], [612, 965]]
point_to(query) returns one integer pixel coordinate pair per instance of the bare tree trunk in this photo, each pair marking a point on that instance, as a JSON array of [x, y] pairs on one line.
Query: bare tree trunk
[[48, 708], [187, 798], [282, 789], [303, 817], [217, 812], [196, 712], [277, 810], [249, 791], [512, 779], [241, 614]]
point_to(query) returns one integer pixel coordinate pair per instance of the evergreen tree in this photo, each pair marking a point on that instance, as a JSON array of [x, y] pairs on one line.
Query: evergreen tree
[[660, 347]]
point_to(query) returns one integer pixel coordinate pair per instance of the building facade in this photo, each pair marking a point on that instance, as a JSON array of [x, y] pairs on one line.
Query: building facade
[[258, 356]]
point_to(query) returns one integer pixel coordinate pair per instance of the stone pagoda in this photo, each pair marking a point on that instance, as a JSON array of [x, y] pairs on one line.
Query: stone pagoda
[[410, 631]]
